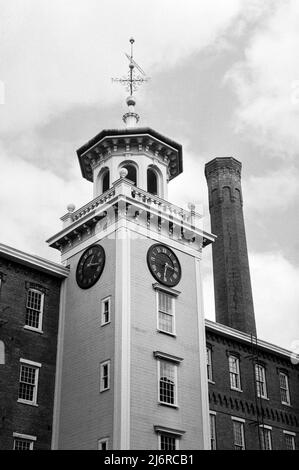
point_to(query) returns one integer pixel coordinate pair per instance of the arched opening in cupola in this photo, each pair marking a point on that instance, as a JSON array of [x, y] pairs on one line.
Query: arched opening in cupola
[[152, 182], [105, 180], [132, 172]]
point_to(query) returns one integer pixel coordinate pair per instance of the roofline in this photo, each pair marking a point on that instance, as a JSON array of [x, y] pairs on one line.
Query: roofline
[[41, 264], [245, 337]]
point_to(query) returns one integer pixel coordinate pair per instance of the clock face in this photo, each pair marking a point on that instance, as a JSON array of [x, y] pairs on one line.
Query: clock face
[[90, 266], [164, 265]]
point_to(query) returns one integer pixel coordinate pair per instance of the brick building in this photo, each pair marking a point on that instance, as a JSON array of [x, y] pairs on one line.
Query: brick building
[[29, 318]]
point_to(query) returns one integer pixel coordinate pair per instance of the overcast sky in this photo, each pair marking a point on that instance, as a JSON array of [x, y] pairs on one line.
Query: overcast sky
[[224, 82]]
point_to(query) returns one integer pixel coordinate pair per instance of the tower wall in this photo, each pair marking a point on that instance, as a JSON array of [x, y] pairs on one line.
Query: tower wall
[[233, 294]]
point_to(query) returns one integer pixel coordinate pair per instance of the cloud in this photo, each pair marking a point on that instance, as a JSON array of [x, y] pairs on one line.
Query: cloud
[[266, 82], [276, 298], [32, 200], [274, 191], [58, 54]]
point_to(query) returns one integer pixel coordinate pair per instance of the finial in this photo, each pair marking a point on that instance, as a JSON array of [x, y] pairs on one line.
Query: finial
[[71, 207], [132, 81]]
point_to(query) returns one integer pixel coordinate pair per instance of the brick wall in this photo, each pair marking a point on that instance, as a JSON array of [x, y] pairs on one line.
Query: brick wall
[[21, 343], [227, 403]]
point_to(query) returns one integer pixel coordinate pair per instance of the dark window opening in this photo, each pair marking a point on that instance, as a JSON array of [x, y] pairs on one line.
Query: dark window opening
[[152, 182], [106, 181], [132, 173]]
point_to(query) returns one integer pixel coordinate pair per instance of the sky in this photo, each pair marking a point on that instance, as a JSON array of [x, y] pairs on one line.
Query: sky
[[224, 81]]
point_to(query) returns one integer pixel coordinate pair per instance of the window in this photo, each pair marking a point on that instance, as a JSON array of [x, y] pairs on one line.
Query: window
[[106, 180], [284, 389], [167, 382], [34, 309], [166, 318], [103, 444], [28, 383], [2, 353], [209, 364], [167, 442], [132, 173], [238, 429], [104, 376], [234, 373], [152, 182], [106, 307], [23, 441], [260, 377], [289, 438], [213, 431], [265, 435]]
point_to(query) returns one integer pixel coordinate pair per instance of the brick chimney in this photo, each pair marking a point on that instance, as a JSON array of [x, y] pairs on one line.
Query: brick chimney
[[233, 295]]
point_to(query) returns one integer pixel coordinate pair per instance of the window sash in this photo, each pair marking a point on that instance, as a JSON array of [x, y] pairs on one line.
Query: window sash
[[34, 309], [103, 444], [289, 441], [22, 444], [284, 388], [209, 364], [213, 431], [234, 372], [106, 310], [105, 376], [167, 382], [260, 377], [266, 440], [239, 442], [28, 383], [167, 442], [166, 318]]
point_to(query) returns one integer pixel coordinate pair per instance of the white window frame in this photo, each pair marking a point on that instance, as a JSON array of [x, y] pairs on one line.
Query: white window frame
[[213, 438], [292, 435], [265, 430], [264, 393], [174, 365], [169, 432], [24, 437], [209, 364], [172, 313], [286, 389], [36, 366], [241, 422], [41, 312], [102, 365], [103, 301], [102, 441], [173, 436], [235, 374]]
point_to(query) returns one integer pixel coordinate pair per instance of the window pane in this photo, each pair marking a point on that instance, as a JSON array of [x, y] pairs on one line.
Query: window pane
[[27, 382], [266, 439], [238, 435], [290, 442], [23, 444], [33, 309], [167, 442], [213, 431], [165, 307], [167, 382]]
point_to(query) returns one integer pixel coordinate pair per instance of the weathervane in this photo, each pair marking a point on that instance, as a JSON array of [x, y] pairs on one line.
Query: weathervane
[[131, 82]]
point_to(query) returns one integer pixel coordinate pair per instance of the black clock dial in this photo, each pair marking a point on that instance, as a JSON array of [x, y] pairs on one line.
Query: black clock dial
[[90, 266], [164, 265]]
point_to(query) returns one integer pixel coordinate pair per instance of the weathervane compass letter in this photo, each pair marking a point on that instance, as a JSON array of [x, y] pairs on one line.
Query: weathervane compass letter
[[131, 82]]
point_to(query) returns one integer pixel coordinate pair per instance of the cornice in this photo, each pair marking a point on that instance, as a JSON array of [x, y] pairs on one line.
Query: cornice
[[33, 261]]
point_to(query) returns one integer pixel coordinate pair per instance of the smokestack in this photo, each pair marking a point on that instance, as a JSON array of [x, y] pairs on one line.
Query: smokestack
[[233, 294]]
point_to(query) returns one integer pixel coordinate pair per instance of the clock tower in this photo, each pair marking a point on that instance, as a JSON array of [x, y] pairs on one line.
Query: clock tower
[[131, 349]]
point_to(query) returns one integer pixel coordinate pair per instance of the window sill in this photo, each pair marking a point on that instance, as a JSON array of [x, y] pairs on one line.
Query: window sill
[[104, 390], [168, 404], [107, 323], [166, 333], [264, 398], [36, 330], [286, 404], [237, 390], [211, 381], [24, 402]]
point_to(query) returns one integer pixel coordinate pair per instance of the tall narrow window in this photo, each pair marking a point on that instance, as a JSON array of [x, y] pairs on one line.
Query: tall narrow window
[[166, 319], [106, 181], [106, 306], [132, 173], [34, 309], [23, 441], [284, 389], [289, 439], [239, 441], [234, 373], [266, 439], [213, 431], [104, 376], [260, 377], [28, 382], [152, 181], [209, 364], [167, 382], [2, 353]]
